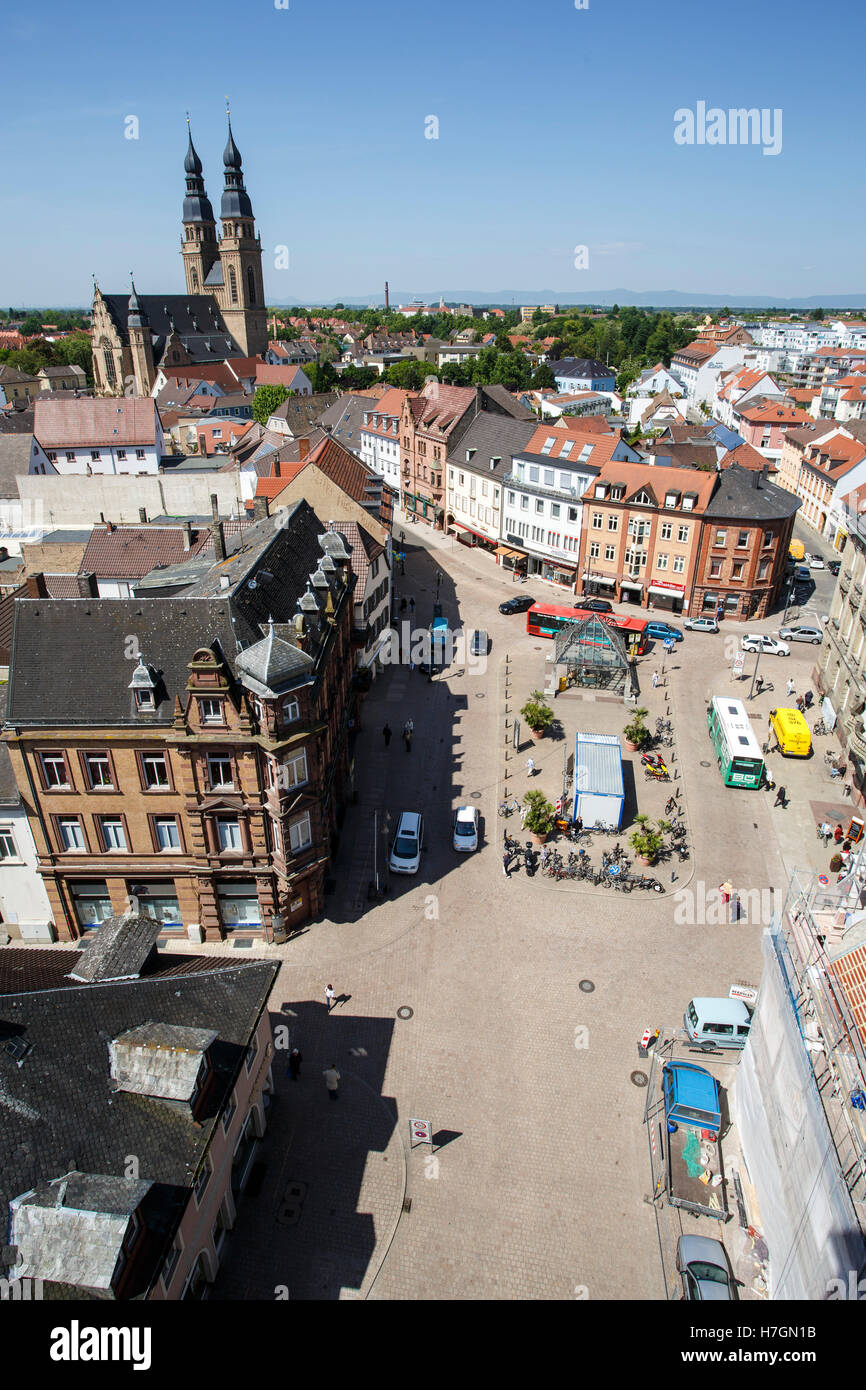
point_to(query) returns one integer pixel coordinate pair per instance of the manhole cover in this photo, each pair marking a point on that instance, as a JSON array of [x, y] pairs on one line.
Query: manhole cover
[[479, 694], [538, 649], [705, 764], [476, 796], [639, 1078], [587, 986], [404, 1011]]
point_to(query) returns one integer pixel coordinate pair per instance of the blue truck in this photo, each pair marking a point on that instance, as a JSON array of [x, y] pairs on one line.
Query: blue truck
[[693, 1150]]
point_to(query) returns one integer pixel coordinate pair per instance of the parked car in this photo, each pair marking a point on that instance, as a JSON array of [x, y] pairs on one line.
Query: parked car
[[517, 605], [701, 624], [801, 633], [802, 574], [816, 563], [595, 605], [478, 642], [705, 1270], [465, 837], [408, 843], [763, 642], [664, 632], [834, 566]]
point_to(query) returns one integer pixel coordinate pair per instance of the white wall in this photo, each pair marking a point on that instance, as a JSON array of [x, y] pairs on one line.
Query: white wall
[[77, 500], [23, 899]]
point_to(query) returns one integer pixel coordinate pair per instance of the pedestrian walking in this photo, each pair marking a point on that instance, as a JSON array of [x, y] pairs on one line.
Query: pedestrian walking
[[655, 679], [295, 1060], [781, 799], [411, 665], [578, 824], [826, 831], [791, 687], [386, 734], [770, 779], [332, 1079], [329, 997], [801, 703], [411, 605], [407, 739], [807, 699], [530, 767], [838, 834], [846, 789], [846, 844], [726, 889], [506, 863]]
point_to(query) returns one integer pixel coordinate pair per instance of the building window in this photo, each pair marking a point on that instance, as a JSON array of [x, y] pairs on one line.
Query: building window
[[300, 834], [91, 902], [667, 530], [661, 561], [167, 833], [768, 538], [594, 550], [229, 1113], [111, 833], [715, 569], [202, 1181], [95, 455], [233, 284], [8, 848], [737, 569], [174, 1253], [679, 564], [524, 503], [251, 285], [55, 773], [683, 533], [610, 552], [742, 539], [219, 770], [154, 771], [721, 538], [71, 835], [597, 519], [539, 507], [763, 569], [613, 522], [239, 904], [97, 767], [210, 711], [292, 772], [229, 833], [251, 1053], [290, 710]]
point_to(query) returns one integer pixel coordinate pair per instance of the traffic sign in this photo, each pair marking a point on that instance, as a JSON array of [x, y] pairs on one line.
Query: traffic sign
[[420, 1132]]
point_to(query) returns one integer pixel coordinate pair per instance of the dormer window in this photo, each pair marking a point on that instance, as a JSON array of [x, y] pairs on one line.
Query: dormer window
[[672, 499], [617, 493], [601, 491], [689, 501], [143, 687], [643, 499], [211, 711]]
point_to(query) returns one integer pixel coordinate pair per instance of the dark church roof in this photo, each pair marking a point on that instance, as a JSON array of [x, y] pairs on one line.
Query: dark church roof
[[195, 318]]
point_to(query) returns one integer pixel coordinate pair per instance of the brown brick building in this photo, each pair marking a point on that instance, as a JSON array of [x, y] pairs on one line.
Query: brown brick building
[[191, 750]]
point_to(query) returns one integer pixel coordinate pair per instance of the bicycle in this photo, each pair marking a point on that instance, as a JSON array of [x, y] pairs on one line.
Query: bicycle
[[507, 808], [672, 803], [820, 728]]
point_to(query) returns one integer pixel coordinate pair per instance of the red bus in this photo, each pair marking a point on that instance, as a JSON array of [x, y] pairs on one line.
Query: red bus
[[546, 619]]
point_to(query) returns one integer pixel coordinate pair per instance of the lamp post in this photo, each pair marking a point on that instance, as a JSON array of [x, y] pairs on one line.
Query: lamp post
[[755, 673]]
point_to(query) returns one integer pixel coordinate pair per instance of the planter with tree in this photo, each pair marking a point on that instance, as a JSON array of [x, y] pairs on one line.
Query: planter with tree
[[541, 816], [647, 840], [537, 713], [636, 733]]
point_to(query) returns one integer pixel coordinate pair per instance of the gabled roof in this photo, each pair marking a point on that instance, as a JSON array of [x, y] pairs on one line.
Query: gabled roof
[[195, 318], [129, 552], [119, 948], [772, 413], [90, 421], [581, 366], [744, 494]]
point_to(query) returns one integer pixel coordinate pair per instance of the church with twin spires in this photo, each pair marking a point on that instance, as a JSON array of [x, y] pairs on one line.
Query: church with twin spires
[[223, 312]]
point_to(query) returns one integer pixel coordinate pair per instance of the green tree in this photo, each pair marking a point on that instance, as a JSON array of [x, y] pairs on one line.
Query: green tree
[[266, 400], [543, 378], [31, 324], [817, 315], [321, 376]]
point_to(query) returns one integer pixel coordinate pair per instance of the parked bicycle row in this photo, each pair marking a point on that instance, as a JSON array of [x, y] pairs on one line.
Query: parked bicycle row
[[615, 870]]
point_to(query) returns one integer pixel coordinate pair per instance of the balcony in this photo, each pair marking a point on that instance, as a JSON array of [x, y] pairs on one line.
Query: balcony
[[857, 592], [844, 582]]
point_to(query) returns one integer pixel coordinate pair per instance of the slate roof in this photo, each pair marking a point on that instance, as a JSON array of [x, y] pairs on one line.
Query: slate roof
[[344, 419], [119, 948], [492, 436], [70, 1231], [9, 793], [744, 494], [581, 366], [59, 646], [129, 552], [365, 549], [58, 1111], [197, 322], [273, 664], [16, 451], [302, 412]]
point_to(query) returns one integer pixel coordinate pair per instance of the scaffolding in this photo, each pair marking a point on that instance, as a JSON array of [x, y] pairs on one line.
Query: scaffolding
[[593, 655]]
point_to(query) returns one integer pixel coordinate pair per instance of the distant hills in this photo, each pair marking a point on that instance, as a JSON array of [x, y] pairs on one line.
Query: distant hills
[[648, 299]]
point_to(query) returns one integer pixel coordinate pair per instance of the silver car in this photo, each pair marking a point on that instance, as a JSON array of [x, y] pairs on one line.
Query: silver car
[[703, 1266], [701, 624], [465, 837], [801, 634]]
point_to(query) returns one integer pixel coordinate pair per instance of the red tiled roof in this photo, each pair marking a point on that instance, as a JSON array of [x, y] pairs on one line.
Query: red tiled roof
[[773, 414], [746, 456], [278, 374], [87, 420]]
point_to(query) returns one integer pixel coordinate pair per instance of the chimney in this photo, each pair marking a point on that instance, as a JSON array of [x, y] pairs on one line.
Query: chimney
[[142, 515], [87, 585], [36, 586], [225, 581], [387, 301], [187, 535], [278, 471], [102, 517], [479, 400], [214, 507], [260, 508], [303, 448]]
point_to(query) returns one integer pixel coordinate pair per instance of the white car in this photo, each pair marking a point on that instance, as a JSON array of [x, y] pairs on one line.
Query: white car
[[816, 563], [762, 642], [408, 843], [701, 624], [465, 836]]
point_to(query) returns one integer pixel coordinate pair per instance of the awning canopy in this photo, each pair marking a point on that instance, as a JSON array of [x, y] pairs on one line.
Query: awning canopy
[[666, 592], [506, 551], [632, 584], [599, 578]]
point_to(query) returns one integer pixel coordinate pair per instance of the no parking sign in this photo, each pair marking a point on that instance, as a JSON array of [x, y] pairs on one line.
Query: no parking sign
[[420, 1132]]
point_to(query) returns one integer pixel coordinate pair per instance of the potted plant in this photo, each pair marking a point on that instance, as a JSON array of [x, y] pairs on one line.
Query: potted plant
[[537, 713], [647, 840], [835, 863], [636, 733], [540, 817]]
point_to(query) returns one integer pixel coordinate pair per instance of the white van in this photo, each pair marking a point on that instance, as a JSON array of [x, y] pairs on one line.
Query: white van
[[717, 1022]]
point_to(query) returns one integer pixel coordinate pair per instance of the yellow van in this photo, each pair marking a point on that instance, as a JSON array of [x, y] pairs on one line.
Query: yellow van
[[791, 732], [797, 550]]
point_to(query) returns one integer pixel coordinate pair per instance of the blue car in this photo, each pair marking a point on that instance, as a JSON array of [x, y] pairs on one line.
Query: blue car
[[664, 632]]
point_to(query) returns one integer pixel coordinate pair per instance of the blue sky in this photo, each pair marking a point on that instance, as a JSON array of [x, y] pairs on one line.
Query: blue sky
[[555, 130]]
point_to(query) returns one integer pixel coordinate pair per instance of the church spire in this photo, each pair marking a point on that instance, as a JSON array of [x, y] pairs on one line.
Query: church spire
[[235, 199], [136, 317], [196, 204]]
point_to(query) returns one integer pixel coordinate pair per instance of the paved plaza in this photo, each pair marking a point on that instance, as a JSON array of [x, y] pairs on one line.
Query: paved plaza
[[524, 999]]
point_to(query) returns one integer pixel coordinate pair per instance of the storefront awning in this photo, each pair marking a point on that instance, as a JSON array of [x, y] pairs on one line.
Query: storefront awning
[[504, 550], [667, 591], [480, 534], [599, 578], [631, 584]]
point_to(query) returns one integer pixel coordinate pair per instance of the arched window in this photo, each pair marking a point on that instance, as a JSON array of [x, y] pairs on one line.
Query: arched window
[[233, 284], [194, 278], [108, 363], [251, 285]]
